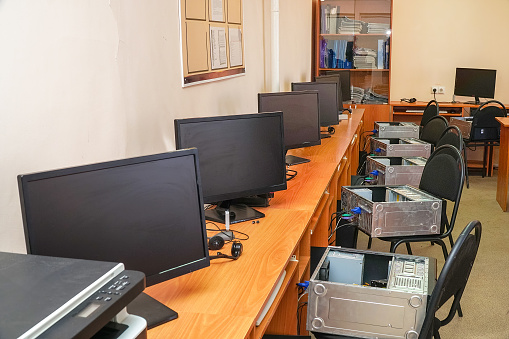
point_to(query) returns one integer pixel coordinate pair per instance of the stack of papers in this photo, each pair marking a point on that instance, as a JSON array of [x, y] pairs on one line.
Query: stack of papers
[[357, 94], [370, 97], [376, 28], [346, 25], [364, 58]]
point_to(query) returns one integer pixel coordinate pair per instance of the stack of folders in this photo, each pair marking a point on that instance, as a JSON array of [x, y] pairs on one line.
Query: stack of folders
[[377, 28], [346, 25], [329, 18], [357, 94], [370, 97], [364, 58]]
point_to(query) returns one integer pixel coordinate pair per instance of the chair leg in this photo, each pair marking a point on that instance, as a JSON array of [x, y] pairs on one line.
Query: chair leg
[[466, 165], [444, 249], [369, 242], [450, 240], [408, 248], [460, 312], [484, 161]]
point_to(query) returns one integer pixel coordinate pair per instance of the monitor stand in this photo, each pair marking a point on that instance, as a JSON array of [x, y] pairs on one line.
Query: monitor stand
[[238, 213], [476, 102], [153, 311], [294, 160]]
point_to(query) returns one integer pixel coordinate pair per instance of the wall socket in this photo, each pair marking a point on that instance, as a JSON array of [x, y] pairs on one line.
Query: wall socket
[[437, 89]]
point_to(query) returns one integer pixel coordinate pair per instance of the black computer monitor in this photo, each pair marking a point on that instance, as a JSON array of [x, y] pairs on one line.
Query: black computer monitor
[[145, 212], [334, 79], [344, 76], [327, 98], [475, 82], [240, 156], [300, 115]]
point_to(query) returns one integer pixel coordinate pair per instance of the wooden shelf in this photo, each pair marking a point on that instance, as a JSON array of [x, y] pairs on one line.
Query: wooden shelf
[[355, 69], [352, 35]]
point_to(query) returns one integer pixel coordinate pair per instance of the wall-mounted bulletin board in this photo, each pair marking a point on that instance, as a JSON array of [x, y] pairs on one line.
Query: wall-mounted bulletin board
[[212, 40]]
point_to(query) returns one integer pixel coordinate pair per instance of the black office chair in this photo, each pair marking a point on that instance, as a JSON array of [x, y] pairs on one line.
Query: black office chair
[[452, 280], [433, 129], [452, 136], [485, 130], [443, 177], [450, 284], [430, 111]]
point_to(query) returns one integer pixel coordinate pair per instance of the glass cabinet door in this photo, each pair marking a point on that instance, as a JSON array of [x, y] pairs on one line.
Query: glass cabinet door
[[354, 35]]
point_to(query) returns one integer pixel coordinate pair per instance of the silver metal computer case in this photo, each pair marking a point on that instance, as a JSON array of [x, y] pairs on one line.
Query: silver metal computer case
[[392, 129], [370, 294], [386, 211], [395, 170], [400, 147]]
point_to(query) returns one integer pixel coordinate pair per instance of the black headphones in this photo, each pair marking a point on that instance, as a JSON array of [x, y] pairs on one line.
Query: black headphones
[[216, 243], [236, 251]]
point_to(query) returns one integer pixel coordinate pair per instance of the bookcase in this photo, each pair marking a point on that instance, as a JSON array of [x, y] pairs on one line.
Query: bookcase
[[354, 36]]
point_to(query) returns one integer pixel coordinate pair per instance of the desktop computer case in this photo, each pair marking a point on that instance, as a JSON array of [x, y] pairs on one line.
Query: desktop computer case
[[396, 129], [393, 210], [343, 300], [473, 133], [407, 171], [400, 147]]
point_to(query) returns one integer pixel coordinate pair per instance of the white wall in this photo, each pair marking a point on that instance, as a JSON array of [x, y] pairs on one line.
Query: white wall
[[433, 37], [95, 80]]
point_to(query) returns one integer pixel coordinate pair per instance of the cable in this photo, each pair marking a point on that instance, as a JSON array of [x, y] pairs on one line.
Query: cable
[[300, 307], [340, 226], [290, 176], [246, 236]]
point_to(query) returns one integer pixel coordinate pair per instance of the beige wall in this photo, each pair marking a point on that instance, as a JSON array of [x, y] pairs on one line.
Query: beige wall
[[86, 81], [433, 37]]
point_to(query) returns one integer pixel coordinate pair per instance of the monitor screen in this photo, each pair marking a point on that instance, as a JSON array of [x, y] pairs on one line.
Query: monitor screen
[[144, 212], [478, 83], [327, 97], [344, 76], [240, 155], [334, 79], [301, 116]]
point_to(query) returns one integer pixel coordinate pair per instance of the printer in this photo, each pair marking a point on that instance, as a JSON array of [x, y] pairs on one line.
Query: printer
[[50, 297]]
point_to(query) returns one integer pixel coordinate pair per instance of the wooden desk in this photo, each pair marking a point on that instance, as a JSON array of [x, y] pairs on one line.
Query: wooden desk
[[503, 163], [409, 112], [225, 299]]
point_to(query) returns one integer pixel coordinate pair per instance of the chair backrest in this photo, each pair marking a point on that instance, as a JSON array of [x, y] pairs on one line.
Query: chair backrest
[[432, 131], [451, 136], [453, 277], [443, 177], [484, 116], [430, 111]]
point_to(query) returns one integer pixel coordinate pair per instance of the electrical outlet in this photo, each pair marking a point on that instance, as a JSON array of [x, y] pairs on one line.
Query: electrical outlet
[[434, 89], [441, 90]]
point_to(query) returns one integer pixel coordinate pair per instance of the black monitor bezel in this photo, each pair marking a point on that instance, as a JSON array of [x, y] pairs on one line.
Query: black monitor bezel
[[334, 78], [240, 194], [323, 121], [344, 76], [475, 73], [164, 275], [315, 142]]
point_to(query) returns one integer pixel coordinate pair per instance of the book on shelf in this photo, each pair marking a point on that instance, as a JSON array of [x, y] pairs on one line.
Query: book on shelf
[[380, 54]]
